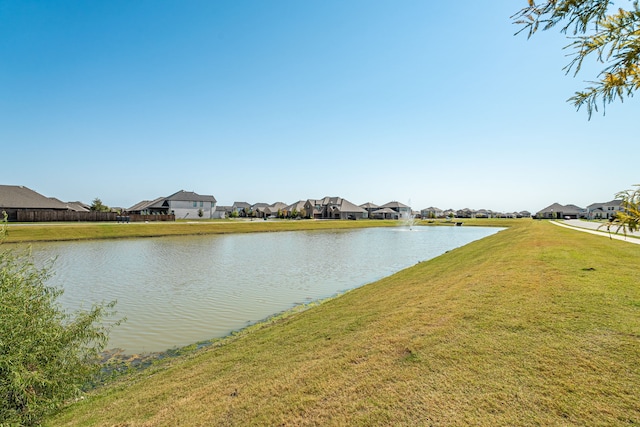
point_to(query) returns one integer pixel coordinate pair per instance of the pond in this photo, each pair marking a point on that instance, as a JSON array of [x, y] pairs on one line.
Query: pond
[[175, 291]]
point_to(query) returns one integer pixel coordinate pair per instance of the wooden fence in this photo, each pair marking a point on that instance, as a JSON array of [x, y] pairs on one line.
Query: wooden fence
[[72, 216], [144, 218], [56, 216]]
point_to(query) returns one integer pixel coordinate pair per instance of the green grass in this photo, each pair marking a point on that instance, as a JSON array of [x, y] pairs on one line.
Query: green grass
[[536, 325]]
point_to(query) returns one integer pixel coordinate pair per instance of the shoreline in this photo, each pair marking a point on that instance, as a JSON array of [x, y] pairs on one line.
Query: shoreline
[[56, 232], [116, 362]]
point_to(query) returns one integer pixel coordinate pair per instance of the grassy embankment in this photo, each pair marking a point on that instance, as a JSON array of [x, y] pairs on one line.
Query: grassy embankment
[[43, 232], [536, 325], [82, 231]]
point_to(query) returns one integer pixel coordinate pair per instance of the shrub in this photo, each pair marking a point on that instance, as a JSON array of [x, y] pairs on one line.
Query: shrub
[[46, 353]]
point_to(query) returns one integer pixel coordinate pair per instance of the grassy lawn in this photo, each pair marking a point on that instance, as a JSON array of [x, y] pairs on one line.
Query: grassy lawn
[[536, 325]]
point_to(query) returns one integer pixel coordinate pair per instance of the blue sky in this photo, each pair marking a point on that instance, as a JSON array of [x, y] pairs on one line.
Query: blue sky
[[427, 103]]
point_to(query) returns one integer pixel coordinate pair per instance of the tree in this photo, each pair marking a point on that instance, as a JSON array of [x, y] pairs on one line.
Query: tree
[[596, 30], [46, 353], [629, 218], [97, 206]]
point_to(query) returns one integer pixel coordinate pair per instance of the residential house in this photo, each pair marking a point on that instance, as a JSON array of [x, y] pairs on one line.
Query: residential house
[[262, 210], [370, 208], [240, 209], [314, 208], [384, 213], [449, 213], [183, 204], [465, 213], [257, 209], [485, 213], [74, 206], [605, 210], [333, 208], [275, 209], [188, 204], [157, 206], [573, 209], [222, 212], [402, 211], [431, 212], [295, 210], [79, 206], [558, 211], [15, 198]]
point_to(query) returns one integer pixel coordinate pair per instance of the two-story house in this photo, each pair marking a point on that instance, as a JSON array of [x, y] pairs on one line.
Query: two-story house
[[183, 204], [605, 210], [333, 208]]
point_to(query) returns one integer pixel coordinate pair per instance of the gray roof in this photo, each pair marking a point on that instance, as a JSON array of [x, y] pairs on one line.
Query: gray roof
[[328, 200], [573, 208], [190, 196], [241, 205], [343, 205], [273, 208], [394, 204], [78, 206], [19, 197], [298, 206], [565, 209], [347, 206], [369, 205], [615, 202], [555, 207], [279, 205], [384, 211], [146, 204]]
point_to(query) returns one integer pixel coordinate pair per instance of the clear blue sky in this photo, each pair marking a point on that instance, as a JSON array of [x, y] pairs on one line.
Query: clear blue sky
[[432, 103]]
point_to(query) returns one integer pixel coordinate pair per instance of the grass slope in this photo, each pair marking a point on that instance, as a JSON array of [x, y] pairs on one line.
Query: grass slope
[[536, 325]]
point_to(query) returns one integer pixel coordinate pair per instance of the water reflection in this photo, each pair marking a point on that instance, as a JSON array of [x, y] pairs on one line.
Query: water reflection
[[178, 290]]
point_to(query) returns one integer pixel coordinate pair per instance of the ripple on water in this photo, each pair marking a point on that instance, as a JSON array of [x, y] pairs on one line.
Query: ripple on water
[[179, 290]]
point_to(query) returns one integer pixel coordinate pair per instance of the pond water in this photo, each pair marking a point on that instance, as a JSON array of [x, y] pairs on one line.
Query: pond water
[[175, 291]]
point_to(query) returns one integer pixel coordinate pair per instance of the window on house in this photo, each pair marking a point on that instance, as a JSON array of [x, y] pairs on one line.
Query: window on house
[[201, 204], [195, 204]]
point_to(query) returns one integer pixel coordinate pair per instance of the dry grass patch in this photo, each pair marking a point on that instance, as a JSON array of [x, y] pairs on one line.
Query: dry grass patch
[[536, 325]]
